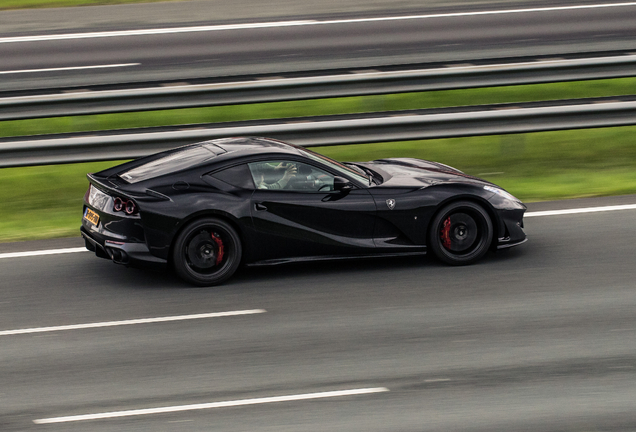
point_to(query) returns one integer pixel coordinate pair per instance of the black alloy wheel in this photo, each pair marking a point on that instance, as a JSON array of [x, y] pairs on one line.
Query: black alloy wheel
[[207, 252], [461, 233]]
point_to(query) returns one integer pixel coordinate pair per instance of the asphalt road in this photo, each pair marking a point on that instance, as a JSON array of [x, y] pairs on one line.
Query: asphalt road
[[321, 40], [538, 338]]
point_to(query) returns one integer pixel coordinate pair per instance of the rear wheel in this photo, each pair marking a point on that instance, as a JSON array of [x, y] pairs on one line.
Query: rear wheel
[[207, 252], [461, 233]]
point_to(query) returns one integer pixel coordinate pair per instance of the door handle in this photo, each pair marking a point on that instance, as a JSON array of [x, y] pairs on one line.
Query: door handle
[[260, 207]]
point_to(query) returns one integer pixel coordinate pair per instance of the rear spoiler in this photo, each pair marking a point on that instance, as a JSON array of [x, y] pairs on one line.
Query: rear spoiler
[[100, 184], [106, 186]]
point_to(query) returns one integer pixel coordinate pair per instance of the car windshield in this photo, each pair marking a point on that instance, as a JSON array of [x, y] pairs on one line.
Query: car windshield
[[341, 168], [175, 161]]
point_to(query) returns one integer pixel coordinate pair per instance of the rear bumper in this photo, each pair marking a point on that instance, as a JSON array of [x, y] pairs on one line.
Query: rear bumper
[[125, 253]]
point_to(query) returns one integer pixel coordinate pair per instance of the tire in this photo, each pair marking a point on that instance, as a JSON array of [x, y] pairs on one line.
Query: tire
[[207, 252], [460, 233]]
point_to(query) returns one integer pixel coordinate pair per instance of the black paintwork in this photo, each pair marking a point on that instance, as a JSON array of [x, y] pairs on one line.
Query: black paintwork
[[281, 225]]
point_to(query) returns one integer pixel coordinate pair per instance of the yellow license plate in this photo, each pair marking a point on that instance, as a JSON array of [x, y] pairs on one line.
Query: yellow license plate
[[91, 216]]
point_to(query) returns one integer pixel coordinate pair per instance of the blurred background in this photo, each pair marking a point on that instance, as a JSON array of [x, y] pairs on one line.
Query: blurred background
[[535, 96], [534, 166]]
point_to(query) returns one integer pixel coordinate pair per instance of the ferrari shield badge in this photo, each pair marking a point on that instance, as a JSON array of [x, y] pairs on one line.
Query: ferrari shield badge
[[390, 203]]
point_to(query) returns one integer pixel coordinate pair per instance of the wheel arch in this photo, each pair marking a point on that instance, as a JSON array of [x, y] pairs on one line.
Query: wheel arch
[[226, 217], [492, 213]]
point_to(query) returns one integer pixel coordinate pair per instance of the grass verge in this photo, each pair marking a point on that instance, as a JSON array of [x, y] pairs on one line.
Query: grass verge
[[46, 202], [358, 104]]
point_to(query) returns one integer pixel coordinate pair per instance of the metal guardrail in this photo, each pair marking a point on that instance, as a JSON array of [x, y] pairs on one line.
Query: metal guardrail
[[329, 130], [263, 89]]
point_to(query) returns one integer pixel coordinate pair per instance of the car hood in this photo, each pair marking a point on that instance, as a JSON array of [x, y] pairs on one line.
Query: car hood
[[408, 172]]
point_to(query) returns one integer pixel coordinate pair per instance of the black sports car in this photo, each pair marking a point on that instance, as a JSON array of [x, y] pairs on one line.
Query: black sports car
[[207, 207]]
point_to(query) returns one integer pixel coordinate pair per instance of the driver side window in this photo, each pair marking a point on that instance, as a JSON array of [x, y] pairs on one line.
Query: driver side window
[[290, 176]]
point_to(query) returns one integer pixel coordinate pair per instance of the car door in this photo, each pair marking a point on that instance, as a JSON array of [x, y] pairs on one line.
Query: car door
[[296, 212]]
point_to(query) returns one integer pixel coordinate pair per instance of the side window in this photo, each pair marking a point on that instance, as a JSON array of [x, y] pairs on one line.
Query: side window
[[290, 176], [237, 176]]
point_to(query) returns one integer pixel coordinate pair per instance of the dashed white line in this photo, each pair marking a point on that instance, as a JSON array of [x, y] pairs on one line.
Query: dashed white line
[[130, 322], [107, 66], [157, 31], [232, 403], [580, 210]]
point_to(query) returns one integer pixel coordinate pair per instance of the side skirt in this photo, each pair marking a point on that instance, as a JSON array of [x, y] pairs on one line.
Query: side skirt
[[279, 261]]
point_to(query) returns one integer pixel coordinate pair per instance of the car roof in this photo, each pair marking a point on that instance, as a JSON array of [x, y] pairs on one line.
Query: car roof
[[202, 154], [236, 147]]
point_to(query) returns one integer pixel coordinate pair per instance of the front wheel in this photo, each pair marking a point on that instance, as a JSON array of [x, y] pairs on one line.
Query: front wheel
[[461, 233], [207, 252]]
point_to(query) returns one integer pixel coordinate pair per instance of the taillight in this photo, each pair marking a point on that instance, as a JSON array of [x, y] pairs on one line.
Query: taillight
[[118, 204], [127, 206], [131, 207]]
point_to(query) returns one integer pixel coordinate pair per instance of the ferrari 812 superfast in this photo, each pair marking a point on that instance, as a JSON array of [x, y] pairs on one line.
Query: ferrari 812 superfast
[[203, 209]]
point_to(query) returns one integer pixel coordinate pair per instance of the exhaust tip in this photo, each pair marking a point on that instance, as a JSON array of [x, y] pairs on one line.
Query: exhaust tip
[[117, 255]]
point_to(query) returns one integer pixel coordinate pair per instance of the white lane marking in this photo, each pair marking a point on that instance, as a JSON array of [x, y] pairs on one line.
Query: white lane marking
[[233, 403], [69, 68], [143, 32], [130, 322], [580, 210], [42, 252]]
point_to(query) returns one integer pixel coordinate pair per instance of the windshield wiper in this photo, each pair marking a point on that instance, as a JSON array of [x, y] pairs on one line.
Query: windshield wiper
[[368, 171], [363, 170]]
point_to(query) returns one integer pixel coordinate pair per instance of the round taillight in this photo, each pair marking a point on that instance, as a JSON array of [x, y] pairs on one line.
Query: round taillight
[[131, 207], [118, 205]]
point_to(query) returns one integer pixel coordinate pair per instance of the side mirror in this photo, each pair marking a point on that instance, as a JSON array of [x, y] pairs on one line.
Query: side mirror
[[341, 184]]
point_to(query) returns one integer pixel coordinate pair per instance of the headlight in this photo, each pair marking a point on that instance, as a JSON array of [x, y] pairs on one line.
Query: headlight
[[502, 193]]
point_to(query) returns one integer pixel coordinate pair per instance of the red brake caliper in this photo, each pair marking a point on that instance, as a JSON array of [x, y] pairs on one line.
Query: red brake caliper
[[219, 243], [445, 233]]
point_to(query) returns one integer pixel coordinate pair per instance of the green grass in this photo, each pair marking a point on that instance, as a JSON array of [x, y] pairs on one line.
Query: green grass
[[46, 202], [31, 4], [404, 101], [43, 202]]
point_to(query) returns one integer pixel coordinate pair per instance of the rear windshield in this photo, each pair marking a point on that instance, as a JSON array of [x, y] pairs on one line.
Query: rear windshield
[[179, 160]]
